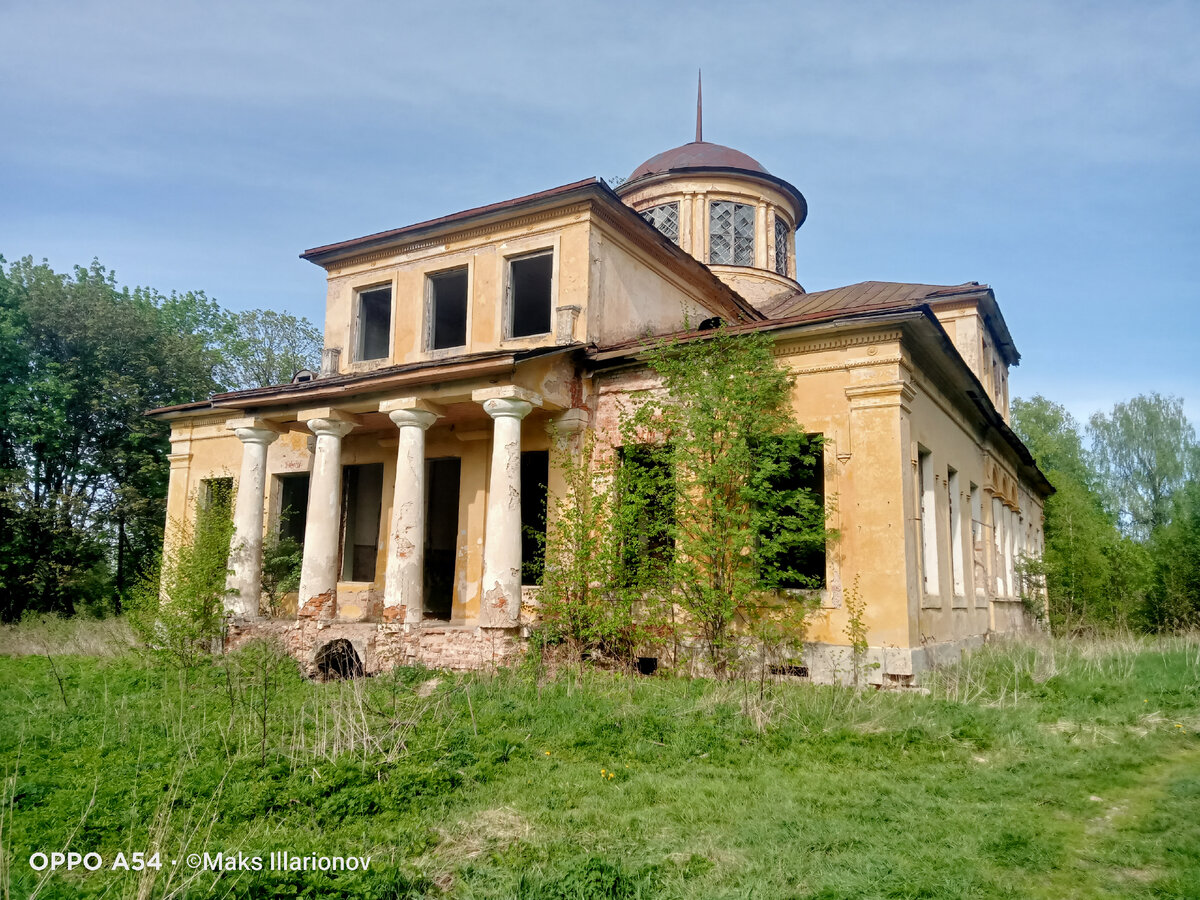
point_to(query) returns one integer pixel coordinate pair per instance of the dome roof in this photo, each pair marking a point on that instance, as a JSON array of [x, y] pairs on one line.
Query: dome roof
[[697, 155]]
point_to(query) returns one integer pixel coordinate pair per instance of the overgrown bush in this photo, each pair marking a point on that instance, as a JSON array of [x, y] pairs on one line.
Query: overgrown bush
[[708, 506], [281, 564], [178, 609]]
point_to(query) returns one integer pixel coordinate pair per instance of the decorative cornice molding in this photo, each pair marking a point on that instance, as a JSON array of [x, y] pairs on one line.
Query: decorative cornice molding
[[849, 364], [837, 342]]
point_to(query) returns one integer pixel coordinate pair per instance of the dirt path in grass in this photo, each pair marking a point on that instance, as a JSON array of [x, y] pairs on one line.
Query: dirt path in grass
[[1121, 850]]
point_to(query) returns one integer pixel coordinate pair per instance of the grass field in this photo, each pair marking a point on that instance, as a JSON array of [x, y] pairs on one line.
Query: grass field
[[1049, 770]]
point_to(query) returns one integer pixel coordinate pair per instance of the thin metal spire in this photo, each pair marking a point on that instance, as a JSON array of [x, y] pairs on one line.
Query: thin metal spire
[[699, 109]]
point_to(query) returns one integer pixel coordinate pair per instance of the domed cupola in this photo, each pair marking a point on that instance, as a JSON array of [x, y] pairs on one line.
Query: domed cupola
[[726, 210]]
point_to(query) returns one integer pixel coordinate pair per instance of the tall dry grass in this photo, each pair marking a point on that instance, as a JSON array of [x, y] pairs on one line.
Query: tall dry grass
[[51, 635]]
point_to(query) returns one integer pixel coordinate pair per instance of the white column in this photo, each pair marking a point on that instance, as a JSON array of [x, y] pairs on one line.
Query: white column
[[246, 548], [318, 573], [500, 604], [405, 581]]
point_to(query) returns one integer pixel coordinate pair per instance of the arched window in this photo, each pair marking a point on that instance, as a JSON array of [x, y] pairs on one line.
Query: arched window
[[730, 233], [665, 218]]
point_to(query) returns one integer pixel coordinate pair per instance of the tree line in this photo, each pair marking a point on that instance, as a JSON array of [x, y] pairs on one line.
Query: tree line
[[1122, 532], [83, 472]]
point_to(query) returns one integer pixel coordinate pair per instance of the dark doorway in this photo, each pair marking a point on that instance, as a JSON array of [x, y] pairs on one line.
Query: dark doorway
[[338, 659], [362, 505], [442, 478], [535, 473]]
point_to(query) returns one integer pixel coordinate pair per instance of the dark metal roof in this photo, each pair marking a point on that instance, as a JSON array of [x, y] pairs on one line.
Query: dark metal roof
[[698, 155], [886, 295], [411, 231], [866, 295]]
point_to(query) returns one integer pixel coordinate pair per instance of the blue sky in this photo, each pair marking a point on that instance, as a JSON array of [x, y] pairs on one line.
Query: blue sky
[[1049, 149]]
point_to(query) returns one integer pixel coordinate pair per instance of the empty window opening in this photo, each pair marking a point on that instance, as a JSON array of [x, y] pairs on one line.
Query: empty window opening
[[216, 495], [792, 533], [647, 515], [338, 659], [1010, 544], [374, 323], [929, 557], [730, 233], [665, 218], [535, 475], [362, 506], [448, 309], [529, 290], [998, 564], [977, 547], [781, 246], [956, 533], [442, 481], [293, 507]]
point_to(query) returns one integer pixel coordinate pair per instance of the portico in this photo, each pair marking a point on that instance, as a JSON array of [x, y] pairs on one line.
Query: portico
[[479, 429]]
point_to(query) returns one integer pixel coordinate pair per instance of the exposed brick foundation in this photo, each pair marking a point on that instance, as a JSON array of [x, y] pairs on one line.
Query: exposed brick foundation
[[382, 646]]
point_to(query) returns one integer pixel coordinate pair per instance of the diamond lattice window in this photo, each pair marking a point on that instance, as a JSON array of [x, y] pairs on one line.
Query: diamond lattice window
[[665, 218], [730, 233], [781, 246]]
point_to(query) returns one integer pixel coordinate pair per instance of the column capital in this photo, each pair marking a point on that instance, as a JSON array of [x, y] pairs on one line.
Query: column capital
[[506, 392], [415, 403], [568, 424], [507, 408], [322, 426], [408, 418], [254, 431]]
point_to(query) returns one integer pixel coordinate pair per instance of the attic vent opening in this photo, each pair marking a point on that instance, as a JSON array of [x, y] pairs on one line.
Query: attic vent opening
[[303, 376], [338, 659]]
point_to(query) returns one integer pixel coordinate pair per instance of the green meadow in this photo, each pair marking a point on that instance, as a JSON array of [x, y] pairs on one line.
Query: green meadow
[[1051, 769]]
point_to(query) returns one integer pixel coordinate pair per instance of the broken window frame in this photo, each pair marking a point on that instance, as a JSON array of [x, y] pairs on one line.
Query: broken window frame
[[359, 341], [431, 306], [510, 299]]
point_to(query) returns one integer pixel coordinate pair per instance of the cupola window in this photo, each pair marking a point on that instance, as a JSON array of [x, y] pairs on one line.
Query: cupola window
[[665, 218], [730, 233], [781, 247]]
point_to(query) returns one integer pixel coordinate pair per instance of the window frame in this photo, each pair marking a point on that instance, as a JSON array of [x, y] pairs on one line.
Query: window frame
[[782, 230], [357, 335], [676, 240], [733, 257], [958, 576], [430, 313], [550, 250], [927, 517]]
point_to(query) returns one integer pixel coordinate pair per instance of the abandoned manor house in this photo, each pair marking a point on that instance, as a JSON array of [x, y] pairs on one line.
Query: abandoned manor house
[[462, 354]]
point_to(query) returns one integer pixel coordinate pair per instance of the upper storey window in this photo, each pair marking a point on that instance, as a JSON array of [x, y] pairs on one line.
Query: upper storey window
[[730, 233], [448, 309], [665, 218], [373, 323], [781, 247], [530, 282]]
